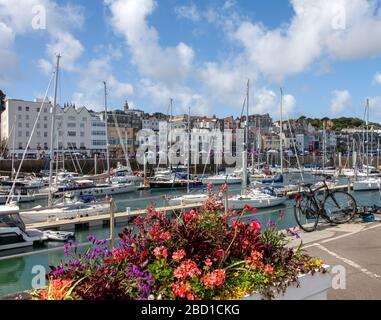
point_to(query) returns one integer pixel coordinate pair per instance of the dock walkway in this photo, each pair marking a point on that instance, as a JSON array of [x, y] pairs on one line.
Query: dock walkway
[[100, 220], [357, 248]]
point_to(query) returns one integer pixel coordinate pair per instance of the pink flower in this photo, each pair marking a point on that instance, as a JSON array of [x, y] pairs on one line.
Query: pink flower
[[165, 236], [214, 279], [255, 226], [187, 269], [208, 262], [178, 255], [160, 252], [224, 188]]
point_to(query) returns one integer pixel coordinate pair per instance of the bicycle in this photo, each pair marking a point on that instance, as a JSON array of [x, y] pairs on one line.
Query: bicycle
[[335, 206]]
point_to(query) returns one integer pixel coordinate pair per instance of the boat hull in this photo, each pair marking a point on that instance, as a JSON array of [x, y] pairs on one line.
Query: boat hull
[[367, 185], [256, 203]]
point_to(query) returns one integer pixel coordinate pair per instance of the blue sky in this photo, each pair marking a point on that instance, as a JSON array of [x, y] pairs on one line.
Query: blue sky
[[325, 54]]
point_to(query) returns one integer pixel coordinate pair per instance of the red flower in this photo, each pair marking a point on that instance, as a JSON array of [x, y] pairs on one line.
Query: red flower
[[160, 252], [178, 255], [255, 210], [165, 236], [214, 279], [187, 269], [247, 207], [268, 269], [255, 226]]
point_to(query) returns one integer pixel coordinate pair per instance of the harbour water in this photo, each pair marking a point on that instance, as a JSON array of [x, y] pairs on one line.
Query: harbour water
[[17, 273]]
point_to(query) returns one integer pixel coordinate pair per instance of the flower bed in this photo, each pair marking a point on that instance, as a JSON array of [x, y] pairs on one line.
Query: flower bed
[[201, 255]]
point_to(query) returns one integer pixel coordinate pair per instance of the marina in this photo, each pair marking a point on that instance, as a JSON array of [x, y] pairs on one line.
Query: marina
[[190, 150]]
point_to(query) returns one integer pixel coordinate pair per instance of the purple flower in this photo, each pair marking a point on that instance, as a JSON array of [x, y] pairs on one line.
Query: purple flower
[[293, 233], [271, 224], [282, 214], [67, 250]]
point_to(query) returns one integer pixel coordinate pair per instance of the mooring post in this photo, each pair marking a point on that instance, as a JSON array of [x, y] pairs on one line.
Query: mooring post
[[112, 223]]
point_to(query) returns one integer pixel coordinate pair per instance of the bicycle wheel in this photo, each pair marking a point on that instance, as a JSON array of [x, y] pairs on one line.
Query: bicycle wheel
[[306, 214], [340, 207]]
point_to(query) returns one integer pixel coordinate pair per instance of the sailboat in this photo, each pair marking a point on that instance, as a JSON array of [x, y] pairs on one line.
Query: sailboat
[[256, 198], [371, 181], [38, 214], [188, 198]]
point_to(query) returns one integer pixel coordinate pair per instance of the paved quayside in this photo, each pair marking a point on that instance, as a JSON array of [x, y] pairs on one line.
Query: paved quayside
[[356, 247]]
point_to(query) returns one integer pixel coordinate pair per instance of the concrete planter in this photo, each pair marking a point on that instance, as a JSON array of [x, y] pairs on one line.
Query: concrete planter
[[312, 287]]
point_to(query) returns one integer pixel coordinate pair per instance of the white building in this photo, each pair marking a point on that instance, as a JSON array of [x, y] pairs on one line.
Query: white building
[[74, 132]]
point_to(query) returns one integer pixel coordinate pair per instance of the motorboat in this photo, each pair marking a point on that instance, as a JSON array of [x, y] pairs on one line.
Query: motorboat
[[75, 209], [188, 199], [59, 235], [257, 198], [222, 179], [88, 187], [13, 233], [367, 184]]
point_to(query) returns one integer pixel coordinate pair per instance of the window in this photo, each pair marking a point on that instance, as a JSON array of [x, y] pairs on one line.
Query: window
[[82, 134], [60, 133], [45, 110], [45, 118], [20, 125], [20, 133], [38, 134], [45, 145], [84, 119], [45, 134], [45, 126], [20, 108], [27, 134], [27, 117], [20, 145], [38, 126], [83, 145], [82, 125], [27, 125], [71, 134], [71, 118], [99, 142], [38, 110], [19, 116], [27, 109], [98, 133], [71, 125]]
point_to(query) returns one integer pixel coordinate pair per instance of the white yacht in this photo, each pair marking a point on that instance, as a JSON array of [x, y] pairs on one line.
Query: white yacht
[[13, 234], [372, 183], [256, 198], [79, 210], [188, 199], [222, 179]]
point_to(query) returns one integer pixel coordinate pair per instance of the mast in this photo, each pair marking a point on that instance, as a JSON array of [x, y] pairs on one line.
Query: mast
[[245, 152], [53, 131], [367, 138], [281, 131], [188, 150], [13, 148], [108, 143]]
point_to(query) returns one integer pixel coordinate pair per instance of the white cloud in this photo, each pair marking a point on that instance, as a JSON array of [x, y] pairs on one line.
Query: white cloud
[[166, 64], [61, 20], [188, 12], [90, 87], [340, 100], [8, 61], [183, 97], [267, 101], [339, 29], [229, 4], [377, 78]]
